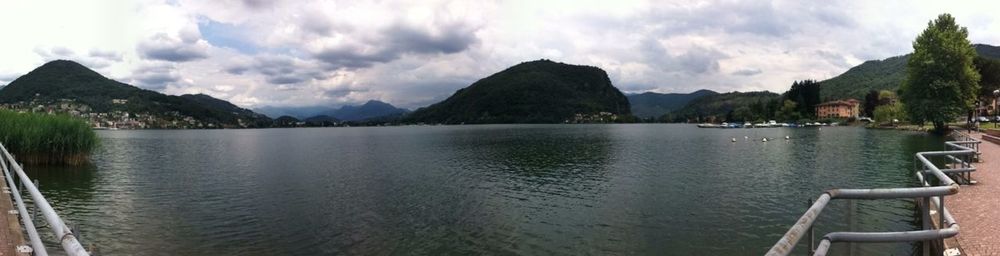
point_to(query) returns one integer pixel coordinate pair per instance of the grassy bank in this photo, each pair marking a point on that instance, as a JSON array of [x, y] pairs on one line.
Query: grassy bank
[[46, 139]]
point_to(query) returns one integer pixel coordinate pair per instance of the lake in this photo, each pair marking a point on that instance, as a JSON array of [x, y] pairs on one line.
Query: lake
[[653, 189]]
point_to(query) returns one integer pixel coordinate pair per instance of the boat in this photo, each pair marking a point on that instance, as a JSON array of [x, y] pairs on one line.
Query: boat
[[707, 126]]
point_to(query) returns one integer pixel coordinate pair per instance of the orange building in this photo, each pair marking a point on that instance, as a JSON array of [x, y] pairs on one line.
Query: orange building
[[839, 108]]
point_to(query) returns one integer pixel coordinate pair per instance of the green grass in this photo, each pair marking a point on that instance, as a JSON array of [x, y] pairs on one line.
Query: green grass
[[46, 139]]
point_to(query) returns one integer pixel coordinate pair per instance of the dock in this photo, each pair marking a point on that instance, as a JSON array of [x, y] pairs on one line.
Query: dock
[[11, 235], [978, 205]]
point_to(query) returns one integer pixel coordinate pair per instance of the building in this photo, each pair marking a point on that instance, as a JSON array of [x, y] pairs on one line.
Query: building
[[838, 109]]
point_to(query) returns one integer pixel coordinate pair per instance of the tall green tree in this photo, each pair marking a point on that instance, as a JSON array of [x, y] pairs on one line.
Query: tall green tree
[[871, 101], [989, 72], [805, 94], [941, 82]]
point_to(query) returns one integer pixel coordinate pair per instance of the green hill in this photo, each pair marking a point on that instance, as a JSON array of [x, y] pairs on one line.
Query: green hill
[[720, 105], [532, 92], [879, 75], [67, 81], [652, 105]]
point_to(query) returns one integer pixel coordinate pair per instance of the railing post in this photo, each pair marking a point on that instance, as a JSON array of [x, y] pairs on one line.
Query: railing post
[[926, 216]]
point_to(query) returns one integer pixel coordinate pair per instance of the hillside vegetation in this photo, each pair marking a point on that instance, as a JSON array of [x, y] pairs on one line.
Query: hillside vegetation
[[718, 106], [532, 92], [67, 80], [652, 105], [880, 75]]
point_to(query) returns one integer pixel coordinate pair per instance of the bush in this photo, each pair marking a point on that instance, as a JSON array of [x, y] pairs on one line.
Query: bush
[[46, 139]]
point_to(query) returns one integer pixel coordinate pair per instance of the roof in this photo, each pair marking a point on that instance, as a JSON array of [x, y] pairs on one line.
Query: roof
[[847, 102]]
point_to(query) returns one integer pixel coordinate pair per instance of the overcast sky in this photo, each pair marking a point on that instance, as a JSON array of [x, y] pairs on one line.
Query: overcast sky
[[412, 53]]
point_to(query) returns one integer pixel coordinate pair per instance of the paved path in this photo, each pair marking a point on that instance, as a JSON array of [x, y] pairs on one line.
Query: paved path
[[10, 229], [977, 207]]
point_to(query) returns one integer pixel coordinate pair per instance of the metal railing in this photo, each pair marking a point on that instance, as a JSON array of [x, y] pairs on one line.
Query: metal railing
[[936, 183], [62, 232]]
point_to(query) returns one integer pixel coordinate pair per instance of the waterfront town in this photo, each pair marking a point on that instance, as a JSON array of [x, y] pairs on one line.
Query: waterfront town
[[112, 119]]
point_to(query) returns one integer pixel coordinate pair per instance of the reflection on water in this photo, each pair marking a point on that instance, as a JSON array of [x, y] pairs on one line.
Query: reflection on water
[[490, 189]]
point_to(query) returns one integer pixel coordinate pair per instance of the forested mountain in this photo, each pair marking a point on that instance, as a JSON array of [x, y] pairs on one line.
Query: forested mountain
[[532, 92], [652, 105], [63, 80], [718, 106], [880, 75], [371, 109], [220, 104]]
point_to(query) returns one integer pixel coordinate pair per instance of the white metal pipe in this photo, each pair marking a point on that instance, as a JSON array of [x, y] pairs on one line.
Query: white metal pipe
[[62, 232], [37, 248]]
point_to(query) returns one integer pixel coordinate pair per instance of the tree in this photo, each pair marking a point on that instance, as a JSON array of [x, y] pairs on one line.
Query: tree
[[941, 82], [805, 94], [871, 101], [989, 72], [886, 97], [886, 113], [788, 111]]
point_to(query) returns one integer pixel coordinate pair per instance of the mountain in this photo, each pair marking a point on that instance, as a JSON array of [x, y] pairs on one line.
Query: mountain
[[540, 91], [297, 112], [885, 74], [652, 105], [220, 104], [719, 105], [285, 121], [369, 110], [63, 81], [321, 120]]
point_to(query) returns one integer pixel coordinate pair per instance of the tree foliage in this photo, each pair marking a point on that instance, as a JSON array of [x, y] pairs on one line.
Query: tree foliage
[[540, 91], [989, 72], [885, 74], [888, 113], [806, 95], [744, 107], [941, 82], [871, 101]]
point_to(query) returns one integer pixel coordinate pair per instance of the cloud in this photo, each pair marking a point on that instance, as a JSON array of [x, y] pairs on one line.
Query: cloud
[[55, 53], [414, 53], [748, 72], [155, 77], [164, 47], [237, 70], [108, 55], [7, 78], [393, 42]]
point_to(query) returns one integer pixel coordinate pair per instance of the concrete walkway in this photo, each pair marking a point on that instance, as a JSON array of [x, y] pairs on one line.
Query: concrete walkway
[[977, 207]]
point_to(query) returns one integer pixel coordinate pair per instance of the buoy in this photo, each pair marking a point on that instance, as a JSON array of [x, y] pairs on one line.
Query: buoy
[[734, 139], [746, 137], [786, 137], [764, 139]]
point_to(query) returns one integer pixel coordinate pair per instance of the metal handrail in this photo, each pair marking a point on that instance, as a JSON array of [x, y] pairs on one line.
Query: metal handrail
[[65, 235], [948, 227]]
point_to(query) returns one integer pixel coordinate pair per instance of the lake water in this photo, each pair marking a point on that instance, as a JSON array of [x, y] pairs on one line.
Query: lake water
[[486, 189]]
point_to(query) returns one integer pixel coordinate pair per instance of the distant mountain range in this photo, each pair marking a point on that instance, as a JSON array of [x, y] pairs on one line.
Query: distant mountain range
[[539, 91], [885, 74], [654, 105], [370, 110], [59, 81]]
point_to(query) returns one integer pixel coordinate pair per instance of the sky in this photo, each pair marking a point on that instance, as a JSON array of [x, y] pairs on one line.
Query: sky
[[258, 53]]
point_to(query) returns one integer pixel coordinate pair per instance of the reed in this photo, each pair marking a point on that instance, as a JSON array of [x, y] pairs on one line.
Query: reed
[[36, 138]]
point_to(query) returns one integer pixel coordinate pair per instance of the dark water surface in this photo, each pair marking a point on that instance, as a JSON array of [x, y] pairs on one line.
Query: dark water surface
[[491, 189]]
